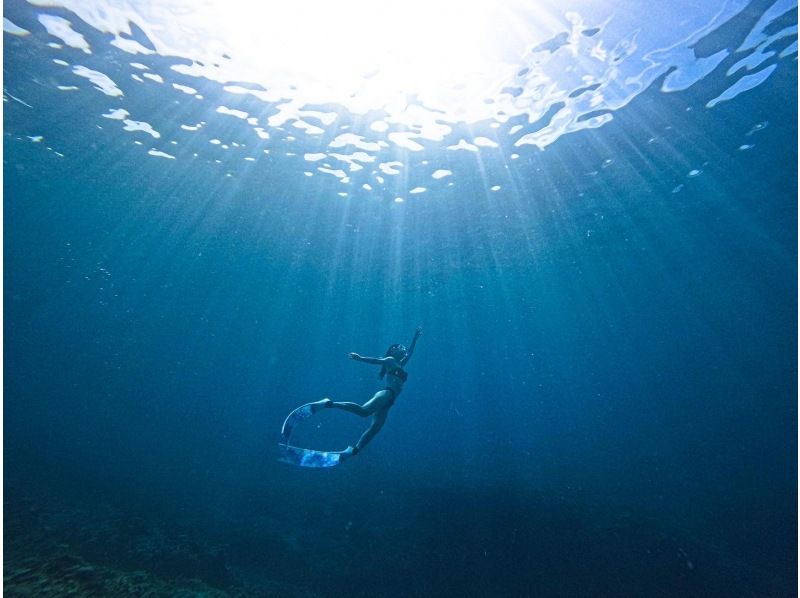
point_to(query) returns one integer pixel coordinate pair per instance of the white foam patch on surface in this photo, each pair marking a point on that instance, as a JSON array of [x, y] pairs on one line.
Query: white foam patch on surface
[[191, 127], [60, 62], [484, 142], [463, 145], [16, 99], [101, 82], [757, 127], [62, 29], [346, 139], [339, 174], [353, 159], [353, 166], [789, 50], [390, 167], [160, 154], [309, 129], [314, 157], [405, 140], [12, 29], [153, 77], [744, 84], [751, 61], [185, 89], [117, 114], [67, 87], [758, 34], [140, 66], [139, 125], [130, 46], [692, 70], [237, 113], [263, 95], [325, 118], [441, 173], [416, 190]]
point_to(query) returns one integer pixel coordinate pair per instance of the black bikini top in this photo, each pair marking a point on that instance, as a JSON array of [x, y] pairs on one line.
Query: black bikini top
[[400, 373]]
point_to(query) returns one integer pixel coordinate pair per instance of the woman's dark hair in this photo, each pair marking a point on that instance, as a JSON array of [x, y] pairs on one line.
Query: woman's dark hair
[[389, 351]]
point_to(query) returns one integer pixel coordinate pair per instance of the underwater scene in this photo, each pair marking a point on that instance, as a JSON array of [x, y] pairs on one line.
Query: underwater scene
[[371, 299]]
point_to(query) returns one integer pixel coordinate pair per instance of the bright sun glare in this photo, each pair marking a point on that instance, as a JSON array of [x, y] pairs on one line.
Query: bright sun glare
[[367, 53]]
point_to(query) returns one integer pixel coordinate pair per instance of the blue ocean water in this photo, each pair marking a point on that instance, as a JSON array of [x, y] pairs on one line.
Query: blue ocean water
[[596, 230]]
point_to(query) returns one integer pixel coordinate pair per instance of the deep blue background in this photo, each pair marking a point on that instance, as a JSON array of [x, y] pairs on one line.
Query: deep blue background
[[604, 392]]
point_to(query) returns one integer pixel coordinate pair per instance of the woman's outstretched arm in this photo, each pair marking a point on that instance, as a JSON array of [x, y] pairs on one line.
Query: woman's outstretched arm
[[372, 360], [417, 334]]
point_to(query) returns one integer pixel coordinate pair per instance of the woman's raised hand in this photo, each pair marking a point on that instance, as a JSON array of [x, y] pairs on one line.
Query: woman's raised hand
[[354, 356]]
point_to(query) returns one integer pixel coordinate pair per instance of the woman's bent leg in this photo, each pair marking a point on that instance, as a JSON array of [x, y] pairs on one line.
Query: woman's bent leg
[[380, 401], [377, 423], [351, 408]]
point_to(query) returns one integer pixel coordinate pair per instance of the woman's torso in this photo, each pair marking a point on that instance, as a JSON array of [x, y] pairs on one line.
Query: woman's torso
[[395, 378]]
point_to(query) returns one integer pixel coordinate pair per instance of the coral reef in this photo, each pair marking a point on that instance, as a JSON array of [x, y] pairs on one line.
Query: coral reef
[[52, 548]]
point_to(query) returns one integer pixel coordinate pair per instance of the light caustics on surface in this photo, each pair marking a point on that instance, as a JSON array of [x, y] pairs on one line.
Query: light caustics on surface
[[447, 75]]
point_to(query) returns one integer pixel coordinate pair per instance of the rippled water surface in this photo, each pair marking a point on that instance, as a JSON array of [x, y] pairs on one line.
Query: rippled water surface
[[366, 92]]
